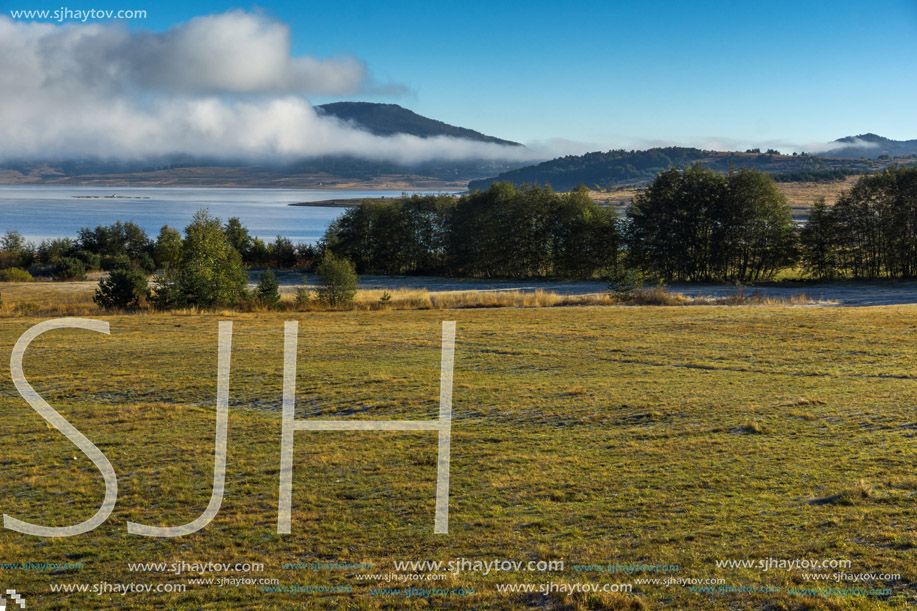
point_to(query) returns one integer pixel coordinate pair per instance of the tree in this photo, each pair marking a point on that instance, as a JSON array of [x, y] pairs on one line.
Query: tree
[[337, 281], [51, 251], [503, 231], [69, 268], [167, 252], [671, 224], [259, 255], [238, 237], [584, 236], [307, 255], [471, 231], [124, 289], [818, 242], [268, 289], [211, 272], [873, 227], [756, 231], [696, 224], [283, 253], [119, 239], [91, 260], [12, 248]]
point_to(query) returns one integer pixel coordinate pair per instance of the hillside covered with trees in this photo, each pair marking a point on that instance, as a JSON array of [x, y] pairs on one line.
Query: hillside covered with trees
[[870, 146], [620, 167]]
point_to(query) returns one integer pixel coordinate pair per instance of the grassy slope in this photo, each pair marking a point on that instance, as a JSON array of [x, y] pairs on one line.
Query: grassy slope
[[592, 435], [800, 195]]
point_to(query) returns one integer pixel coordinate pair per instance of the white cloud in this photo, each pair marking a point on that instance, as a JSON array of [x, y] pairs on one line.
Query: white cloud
[[220, 86], [825, 147], [234, 52]]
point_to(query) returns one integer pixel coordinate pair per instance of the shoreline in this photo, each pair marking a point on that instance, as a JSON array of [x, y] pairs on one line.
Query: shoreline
[[353, 202], [348, 202]]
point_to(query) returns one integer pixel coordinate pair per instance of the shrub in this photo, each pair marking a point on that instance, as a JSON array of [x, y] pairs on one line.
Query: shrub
[[337, 281], [113, 262], [268, 290], [69, 268], [248, 301], [15, 274], [653, 296], [146, 263], [41, 270], [124, 289], [167, 294], [625, 282], [303, 298], [91, 260]]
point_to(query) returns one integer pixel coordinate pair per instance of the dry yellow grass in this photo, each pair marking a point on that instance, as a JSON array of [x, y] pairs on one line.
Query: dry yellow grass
[[800, 195], [47, 298], [805, 193], [44, 299], [671, 436]]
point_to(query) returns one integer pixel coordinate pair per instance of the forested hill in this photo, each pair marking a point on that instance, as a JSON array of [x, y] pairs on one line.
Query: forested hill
[[390, 119], [870, 146], [620, 167]]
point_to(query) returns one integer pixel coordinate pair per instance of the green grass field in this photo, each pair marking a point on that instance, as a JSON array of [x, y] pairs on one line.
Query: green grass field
[[592, 435]]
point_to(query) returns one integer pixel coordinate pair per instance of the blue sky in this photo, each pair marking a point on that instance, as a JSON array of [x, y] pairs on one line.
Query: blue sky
[[617, 74]]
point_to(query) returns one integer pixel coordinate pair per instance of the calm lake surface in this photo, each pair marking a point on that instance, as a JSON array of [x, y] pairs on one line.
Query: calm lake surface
[[41, 212]]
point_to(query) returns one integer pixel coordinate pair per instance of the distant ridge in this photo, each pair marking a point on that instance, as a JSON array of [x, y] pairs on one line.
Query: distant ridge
[[620, 168], [391, 119], [871, 146]]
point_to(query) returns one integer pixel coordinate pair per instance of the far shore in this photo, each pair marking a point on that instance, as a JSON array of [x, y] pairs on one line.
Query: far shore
[[349, 202]]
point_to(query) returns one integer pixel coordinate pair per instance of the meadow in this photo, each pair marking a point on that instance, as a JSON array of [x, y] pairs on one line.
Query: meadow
[[589, 435], [799, 195]]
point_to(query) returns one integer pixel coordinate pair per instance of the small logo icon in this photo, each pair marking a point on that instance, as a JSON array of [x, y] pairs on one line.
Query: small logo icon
[[16, 598]]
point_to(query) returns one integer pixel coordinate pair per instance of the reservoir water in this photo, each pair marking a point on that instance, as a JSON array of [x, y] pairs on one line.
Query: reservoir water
[[41, 212]]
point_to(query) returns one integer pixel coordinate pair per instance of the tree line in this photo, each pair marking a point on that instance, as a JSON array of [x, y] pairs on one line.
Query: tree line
[[501, 232], [205, 268], [127, 245], [691, 224], [871, 232]]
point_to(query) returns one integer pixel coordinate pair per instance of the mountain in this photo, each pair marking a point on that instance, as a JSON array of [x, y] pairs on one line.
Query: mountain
[[390, 119], [332, 171], [620, 167], [870, 146]]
